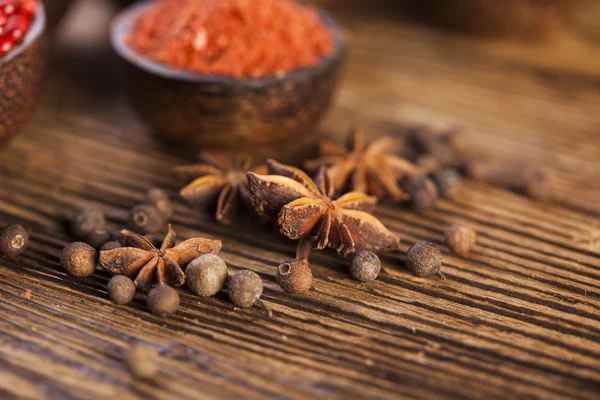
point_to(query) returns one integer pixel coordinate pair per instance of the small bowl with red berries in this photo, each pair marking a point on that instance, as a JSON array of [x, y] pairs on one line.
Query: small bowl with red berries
[[22, 62]]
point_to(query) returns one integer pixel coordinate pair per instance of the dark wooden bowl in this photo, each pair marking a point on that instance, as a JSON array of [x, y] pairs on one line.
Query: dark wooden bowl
[[55, 10], [210, 110], [21, 74]]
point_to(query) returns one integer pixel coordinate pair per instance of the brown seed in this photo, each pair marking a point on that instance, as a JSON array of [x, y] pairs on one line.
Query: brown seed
[[98, 237], [294, 276], [162, 300], [110, 245], [143, 361], [365, 266], [79, 259], [424, 259], [206, 275], [88, 220], [423, 193], [245, 288], [146, 219], [13, 240], [448, 183], [121, 289], [460, 239], [160, 199]]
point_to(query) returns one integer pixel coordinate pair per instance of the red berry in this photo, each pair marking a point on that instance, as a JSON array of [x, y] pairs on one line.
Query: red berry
[[29, 7], [6, 45], [9, 7], [3, 20], [17, 27]]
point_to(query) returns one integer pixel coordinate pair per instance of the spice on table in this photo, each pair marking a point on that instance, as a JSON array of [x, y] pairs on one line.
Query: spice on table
[[245, 288], [448, 182], [460, 239], [121, 289], [365, 266], [446, 147], [372, 169], [424, 259], [243, 39], [159, 198], [13, 240], [139, 258], [15, 20], [206, 275], [218, 180], [97, 238], [294, 276], [143, 361], [87, 221], [423, 193], [145, 219], [110, 245], [79, 259], [162, 300], [305, 210]]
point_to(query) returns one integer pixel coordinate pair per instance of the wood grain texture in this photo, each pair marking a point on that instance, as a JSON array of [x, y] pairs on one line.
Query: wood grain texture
[[518, 319]]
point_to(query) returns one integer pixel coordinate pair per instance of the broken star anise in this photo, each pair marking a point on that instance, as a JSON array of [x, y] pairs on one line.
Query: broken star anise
[[216, 180], [306, 211], [140, 259], [374, 169]]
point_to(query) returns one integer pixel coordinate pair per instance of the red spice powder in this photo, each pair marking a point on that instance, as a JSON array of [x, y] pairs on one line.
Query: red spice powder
[[240, 38]]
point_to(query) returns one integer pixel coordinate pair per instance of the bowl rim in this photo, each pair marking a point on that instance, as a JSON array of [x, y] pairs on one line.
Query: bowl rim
[[34, 32], [123, 22]]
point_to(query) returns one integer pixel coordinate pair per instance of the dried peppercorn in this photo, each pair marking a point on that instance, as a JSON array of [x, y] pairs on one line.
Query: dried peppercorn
[[424, 259], [160, 199], [13, 240], [206, 275], [365, 266], [98, 237], [448, 182], [460, 239], [143, 361], [162, 300], [423, 193], [79, 259], [294, 276], [121, 289], [110, 245], [87, 221], [245, 288], [146, 219]]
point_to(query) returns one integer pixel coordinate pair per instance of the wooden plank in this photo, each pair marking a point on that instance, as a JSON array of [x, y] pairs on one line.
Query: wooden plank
[[516, 319]]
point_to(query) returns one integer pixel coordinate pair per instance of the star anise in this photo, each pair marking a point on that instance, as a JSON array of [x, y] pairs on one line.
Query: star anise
[[217, 181], [305, 210], [140, 259], [372, 169]]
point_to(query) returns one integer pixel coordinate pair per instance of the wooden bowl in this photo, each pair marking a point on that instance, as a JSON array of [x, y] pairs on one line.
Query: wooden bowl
[[525, 19], [21, 74], [218, 111], [55, 11]]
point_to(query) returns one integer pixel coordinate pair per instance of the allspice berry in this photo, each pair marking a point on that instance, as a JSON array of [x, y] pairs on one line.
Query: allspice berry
[[79, 259], [460, 239], [86, 221], [13, 240], [98, 237], [423, 193], [365, 266], [448, 183], [160, 199], [146, 219], [294, 276], [121, 289], [143, 361], [245, 288], [162, 300], [424, 259], [206, 275]]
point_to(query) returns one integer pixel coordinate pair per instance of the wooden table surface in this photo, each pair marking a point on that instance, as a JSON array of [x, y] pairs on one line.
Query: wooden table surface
[[519, 318]]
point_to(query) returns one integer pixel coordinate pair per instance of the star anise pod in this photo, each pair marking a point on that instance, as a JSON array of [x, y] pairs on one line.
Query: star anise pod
[[140, 259], [305, 210], [374, 169], [217, 181]]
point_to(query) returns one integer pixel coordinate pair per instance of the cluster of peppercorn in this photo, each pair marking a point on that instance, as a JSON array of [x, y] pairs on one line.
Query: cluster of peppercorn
[[15, 19]]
